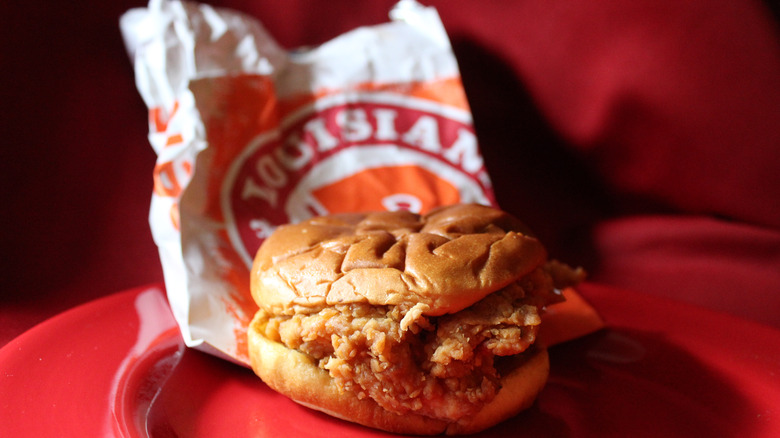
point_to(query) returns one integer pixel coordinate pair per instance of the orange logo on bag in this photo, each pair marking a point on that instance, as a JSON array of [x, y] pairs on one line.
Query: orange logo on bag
[[353, 152]]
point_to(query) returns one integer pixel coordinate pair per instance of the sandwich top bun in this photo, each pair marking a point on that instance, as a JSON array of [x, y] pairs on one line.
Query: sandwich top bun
[[421, 324], [446, 260]]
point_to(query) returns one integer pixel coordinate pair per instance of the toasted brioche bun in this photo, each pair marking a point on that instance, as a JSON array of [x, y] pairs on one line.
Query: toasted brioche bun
[[448, 259], [297, 376]]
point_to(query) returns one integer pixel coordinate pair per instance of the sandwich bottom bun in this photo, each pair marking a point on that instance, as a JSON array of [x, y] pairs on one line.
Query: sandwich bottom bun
[[297, 376]]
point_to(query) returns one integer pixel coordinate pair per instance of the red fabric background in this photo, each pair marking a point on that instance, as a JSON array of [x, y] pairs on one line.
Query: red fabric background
[[639, 139]]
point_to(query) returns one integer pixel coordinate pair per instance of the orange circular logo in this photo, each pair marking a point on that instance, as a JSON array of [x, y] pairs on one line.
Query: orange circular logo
[[347, 154]]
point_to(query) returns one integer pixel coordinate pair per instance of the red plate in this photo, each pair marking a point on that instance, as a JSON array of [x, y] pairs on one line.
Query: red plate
[[117, 367]]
